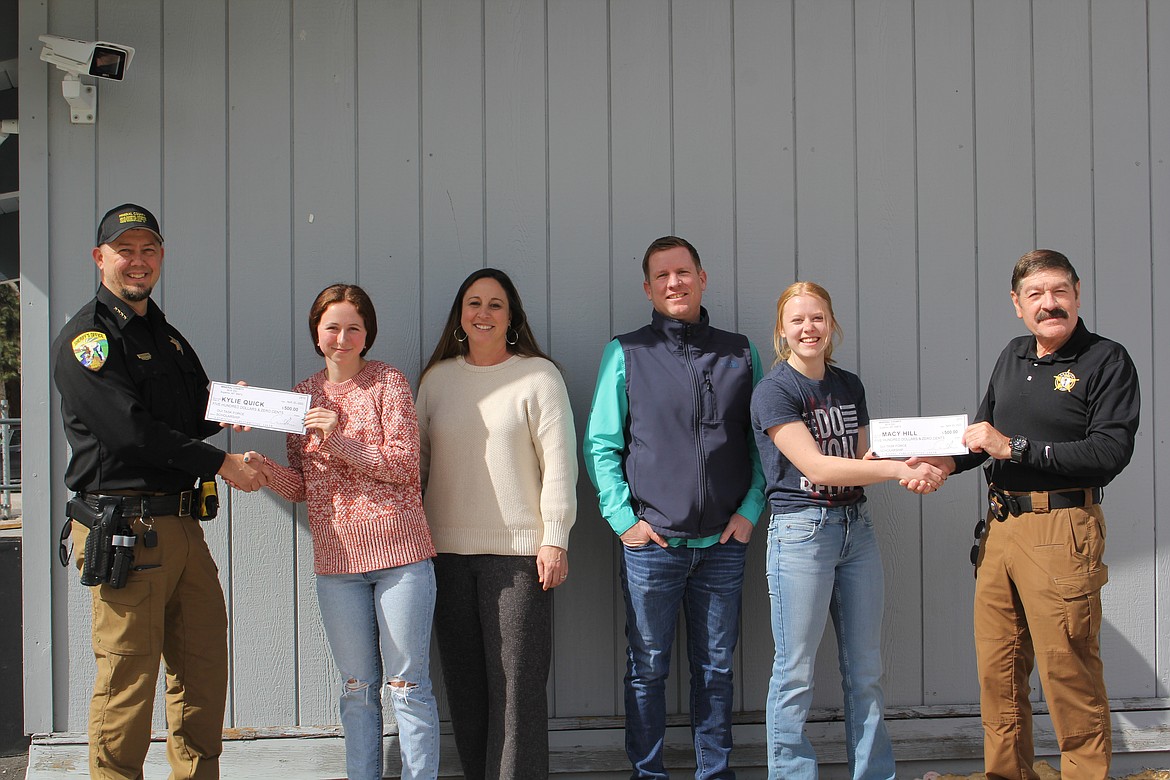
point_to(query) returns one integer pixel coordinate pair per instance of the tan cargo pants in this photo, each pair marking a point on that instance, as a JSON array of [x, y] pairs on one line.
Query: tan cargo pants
[[1038, 600], [171, 608]]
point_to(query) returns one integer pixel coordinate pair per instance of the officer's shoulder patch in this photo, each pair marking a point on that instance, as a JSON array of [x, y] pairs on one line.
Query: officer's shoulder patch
[[91, 349]]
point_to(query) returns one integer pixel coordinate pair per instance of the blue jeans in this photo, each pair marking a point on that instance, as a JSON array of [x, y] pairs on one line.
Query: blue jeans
[[826, 562], [388, 610], [708, 583]]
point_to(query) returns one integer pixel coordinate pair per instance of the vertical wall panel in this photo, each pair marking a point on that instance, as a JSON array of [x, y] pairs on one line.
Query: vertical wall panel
[[72, 281], [324, 221], [1004, 181], [586, 677], [641, 146], [324, 157], [129, 153], [951, 380], [1121, 205], [765, 259], [515, 148], [888, 310], [388, 175], [452, 163], [1063, 128], [641, 176], [42, 583], [1005, 227], [1156, 415], [129, 132], [703, 143], [75, 149], [826, 177], [194, 178], [263, 559], [826, 196], [704, 182]]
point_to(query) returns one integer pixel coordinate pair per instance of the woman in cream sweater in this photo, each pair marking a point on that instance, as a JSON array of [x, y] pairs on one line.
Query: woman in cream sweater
[[499, 473]]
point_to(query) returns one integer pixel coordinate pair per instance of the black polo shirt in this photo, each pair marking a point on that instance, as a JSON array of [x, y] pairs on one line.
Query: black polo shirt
[[1078, 407], [133, 396]]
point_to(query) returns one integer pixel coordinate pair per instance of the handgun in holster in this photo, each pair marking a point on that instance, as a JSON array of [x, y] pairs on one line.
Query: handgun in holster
[[109, 548]]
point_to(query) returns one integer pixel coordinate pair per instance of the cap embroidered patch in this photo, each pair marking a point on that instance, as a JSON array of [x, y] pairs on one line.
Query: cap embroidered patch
[[90, 349], [1065, 381]]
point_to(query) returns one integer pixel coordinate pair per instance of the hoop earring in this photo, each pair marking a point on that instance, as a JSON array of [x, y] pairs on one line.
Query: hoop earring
[[511, 336], [455, 333]]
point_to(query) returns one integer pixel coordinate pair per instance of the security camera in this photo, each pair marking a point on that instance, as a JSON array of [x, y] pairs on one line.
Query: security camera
[[101, 59]]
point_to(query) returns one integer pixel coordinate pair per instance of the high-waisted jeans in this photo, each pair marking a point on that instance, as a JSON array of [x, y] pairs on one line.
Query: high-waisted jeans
[[825, 562], [379, 628]]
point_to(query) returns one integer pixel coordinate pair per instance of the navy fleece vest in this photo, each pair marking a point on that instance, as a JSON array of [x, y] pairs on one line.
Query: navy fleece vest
[[688, 462]]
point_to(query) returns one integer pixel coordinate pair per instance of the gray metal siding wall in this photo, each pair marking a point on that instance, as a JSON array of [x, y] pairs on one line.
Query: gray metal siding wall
[[902, 153]]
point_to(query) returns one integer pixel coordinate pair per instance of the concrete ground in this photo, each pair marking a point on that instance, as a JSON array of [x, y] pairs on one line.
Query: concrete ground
[[13, 767]]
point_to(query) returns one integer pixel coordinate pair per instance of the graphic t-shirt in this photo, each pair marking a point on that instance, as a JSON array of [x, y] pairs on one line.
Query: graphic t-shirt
[[833, 409]]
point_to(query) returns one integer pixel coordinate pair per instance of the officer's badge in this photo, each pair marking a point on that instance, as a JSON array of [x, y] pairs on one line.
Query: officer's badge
[[91, 349], [178, 346], [1065, 381]]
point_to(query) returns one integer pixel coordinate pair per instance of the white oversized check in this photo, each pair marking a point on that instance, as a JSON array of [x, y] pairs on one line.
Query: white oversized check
[[257, 407], [905, 437]]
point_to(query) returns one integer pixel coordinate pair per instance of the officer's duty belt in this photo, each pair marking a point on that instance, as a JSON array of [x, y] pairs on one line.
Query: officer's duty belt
[[180, 504], [1046, 500]]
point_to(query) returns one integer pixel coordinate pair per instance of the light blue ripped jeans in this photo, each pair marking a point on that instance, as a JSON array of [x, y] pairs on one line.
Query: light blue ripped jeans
[[379, 628]]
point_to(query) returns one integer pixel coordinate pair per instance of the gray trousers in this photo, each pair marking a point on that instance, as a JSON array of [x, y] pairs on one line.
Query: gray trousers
[[493, 623]]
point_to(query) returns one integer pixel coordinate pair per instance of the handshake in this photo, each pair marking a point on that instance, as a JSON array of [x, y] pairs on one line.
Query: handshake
[[927, 474], [247, 472]]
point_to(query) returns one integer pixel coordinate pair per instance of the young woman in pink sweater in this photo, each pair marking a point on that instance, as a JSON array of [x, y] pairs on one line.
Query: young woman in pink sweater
[[357, 468]]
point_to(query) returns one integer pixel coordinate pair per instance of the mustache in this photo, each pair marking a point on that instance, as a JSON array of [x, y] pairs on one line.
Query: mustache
[[1047, 315]]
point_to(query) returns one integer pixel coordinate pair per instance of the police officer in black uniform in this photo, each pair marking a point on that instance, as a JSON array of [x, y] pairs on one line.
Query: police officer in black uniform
[[133, 394], [1057, 423]]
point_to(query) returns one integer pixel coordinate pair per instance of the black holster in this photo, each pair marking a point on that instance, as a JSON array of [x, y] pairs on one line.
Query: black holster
[[109, 548]]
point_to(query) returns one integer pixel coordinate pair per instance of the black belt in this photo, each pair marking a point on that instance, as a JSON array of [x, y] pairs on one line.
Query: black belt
[[1043, 501], [180, 504]]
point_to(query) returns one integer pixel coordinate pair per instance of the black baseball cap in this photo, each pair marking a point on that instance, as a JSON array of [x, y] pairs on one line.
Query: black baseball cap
[[126, 217]]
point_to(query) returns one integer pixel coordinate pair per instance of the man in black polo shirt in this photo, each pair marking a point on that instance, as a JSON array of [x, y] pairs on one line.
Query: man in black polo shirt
[[1058, 421], [133, 395]]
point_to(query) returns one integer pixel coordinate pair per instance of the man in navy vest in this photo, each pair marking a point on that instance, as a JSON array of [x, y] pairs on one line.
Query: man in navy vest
[[669, 447]]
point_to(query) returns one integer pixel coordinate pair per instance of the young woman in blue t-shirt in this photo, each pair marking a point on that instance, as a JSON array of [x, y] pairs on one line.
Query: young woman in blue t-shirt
[[811, 422]]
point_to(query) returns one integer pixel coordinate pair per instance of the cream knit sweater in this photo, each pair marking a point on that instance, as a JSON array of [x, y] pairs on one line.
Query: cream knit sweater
[[499, 456]]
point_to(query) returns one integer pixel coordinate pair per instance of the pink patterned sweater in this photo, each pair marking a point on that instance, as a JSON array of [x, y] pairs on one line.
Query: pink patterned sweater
[[362, 483]]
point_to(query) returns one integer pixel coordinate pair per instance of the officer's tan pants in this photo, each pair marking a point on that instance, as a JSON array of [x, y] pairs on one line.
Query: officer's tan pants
[[175, 611], [1038, 600]]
